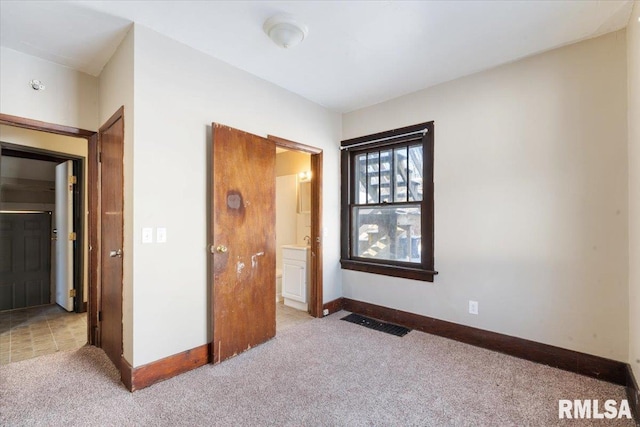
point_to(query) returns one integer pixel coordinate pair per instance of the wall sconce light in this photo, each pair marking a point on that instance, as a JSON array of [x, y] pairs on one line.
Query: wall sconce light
[[305, 176], [285, 30]]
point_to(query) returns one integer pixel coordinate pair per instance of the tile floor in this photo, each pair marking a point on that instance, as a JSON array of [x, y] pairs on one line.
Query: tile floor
[[42, 330], [287, 317]]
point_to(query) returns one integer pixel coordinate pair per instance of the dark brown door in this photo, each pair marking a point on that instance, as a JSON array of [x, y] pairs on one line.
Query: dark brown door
[[25, 263], [111, 137], [243, 243]]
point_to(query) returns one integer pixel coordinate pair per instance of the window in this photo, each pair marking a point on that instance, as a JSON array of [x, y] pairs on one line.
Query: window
[[387, 203]]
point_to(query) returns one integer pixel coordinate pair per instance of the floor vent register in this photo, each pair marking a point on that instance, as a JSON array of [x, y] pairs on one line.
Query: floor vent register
[[367, 322]]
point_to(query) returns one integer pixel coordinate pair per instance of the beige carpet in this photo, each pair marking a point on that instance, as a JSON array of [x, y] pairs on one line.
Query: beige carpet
[[324, 372]]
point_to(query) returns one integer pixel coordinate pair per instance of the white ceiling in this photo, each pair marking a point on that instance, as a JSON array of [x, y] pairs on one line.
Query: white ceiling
[[357, 53]]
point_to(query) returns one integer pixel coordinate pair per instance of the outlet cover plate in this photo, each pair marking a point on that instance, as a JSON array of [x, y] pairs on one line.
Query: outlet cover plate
[[473, 307]]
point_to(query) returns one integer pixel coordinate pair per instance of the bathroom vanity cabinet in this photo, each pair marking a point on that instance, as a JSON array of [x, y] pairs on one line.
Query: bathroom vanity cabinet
[[295, 276]]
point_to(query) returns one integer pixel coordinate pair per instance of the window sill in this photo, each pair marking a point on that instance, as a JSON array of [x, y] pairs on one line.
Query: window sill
[[389, 270]]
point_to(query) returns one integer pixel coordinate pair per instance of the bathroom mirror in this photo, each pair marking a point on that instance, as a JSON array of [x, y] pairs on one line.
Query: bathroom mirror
[[304, 197]]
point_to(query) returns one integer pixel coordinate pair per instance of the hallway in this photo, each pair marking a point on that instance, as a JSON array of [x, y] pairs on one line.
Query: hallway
[[38, 331]]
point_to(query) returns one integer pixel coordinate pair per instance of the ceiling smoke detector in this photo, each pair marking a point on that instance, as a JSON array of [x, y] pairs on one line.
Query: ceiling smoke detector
[[36, 85], [285, 30]]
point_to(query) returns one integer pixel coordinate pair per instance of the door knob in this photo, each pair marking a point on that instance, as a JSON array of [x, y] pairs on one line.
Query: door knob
[[221, 249], [116, 254]]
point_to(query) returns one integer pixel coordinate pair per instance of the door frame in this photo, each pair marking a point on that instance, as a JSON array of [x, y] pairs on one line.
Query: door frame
[[26, 152], [315, 298], [93, 204]]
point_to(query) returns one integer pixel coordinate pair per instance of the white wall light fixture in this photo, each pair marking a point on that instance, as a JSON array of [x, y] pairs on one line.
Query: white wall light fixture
[[305, 176], [36, 84], [285, 30]]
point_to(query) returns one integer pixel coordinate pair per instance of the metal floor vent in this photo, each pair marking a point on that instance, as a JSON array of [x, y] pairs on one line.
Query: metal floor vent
[[396, 330]]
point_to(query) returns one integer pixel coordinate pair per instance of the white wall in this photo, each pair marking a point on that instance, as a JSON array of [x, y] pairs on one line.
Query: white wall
[[70, 97], [116, 89], [633, 74], [531, 195], [179, 92], [286, 216]]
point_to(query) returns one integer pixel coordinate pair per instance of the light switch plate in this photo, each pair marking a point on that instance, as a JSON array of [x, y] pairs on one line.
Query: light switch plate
[[161, 235], [147, 235]]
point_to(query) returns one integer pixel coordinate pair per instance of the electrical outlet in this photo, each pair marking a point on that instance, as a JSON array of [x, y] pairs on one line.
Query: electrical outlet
[[325, 312], [473, 307]]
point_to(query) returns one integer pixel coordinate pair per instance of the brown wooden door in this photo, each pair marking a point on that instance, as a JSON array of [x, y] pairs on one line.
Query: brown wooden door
[[25, 263], [111, 232], [243, 243]]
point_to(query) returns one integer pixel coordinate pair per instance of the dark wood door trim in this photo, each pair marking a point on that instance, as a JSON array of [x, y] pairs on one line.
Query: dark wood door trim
[[92, 165], [22, 122], [316, 231], [24, 152], [292, 145], [315, 300], [93, 178], [119, 114]]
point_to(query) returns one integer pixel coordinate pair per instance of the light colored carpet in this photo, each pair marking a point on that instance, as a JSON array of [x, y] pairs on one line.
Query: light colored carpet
[[325, 372]]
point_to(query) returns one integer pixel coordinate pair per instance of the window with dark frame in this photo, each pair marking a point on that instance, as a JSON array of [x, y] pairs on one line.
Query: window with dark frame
[[387, 203]]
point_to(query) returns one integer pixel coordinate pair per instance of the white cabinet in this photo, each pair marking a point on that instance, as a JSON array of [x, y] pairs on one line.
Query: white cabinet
[[295, 276]]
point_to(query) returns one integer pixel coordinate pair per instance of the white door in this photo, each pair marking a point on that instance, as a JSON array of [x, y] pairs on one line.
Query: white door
[[64, 242]]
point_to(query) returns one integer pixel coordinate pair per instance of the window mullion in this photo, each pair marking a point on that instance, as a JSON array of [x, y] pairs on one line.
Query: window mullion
[[379, 178], [408, 173], [366, 175], [392, 175]]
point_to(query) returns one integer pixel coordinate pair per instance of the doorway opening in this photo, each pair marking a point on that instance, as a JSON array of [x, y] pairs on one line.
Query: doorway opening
[[44, 281], [298, 238], [293, 238], [104, 152]]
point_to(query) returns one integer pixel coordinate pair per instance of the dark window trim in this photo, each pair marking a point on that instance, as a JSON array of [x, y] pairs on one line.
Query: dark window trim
[[409, 135]]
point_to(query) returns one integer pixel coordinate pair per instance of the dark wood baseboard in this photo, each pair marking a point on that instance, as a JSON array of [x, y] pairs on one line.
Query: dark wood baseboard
[[633, 394], [333, 306], [568, 360], [163, 369]]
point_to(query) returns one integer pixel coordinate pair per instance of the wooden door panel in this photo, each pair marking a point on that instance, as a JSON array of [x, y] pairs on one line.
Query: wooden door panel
[[111, 232], [25, 270], [5, 248], [32, 261], [33, 292], [243, 216]]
